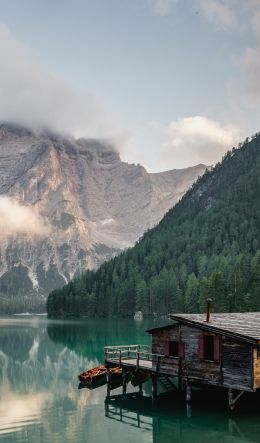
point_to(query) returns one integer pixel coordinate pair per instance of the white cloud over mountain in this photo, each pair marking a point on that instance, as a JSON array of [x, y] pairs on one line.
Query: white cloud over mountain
[[31, 95], [16, 218]]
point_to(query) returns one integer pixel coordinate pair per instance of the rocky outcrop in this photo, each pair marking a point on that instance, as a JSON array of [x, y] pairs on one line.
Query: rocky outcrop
[[94, 204]]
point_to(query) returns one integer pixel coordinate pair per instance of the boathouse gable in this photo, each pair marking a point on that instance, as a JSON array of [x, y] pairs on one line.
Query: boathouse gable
[[166, 343]]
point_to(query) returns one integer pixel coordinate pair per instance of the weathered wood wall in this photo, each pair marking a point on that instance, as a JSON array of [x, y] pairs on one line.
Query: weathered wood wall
[[236, 364], [193, 368], [160, 337]]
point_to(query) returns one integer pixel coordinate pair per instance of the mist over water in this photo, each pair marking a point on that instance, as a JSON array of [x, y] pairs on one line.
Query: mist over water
[[40, 400]]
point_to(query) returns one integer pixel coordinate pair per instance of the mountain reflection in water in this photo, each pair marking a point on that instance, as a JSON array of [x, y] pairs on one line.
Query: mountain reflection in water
[[40, 400]]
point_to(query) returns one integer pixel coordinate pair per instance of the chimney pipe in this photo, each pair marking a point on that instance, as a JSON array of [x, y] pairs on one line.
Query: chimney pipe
[[209, 301]]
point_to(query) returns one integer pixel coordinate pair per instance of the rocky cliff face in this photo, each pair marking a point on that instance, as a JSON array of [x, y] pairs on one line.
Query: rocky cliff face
[[93, 203]]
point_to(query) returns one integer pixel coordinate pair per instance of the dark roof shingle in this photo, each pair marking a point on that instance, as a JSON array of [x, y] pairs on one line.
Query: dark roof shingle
[[245, 325]]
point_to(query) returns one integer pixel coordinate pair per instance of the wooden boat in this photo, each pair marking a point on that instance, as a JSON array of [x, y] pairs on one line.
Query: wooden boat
[[96, 377], [94, 374]]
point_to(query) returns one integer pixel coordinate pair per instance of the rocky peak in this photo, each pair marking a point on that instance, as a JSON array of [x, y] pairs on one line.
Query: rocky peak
[[95, 204]]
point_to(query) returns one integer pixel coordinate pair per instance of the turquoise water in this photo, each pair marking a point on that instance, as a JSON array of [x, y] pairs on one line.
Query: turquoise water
[[40, 400]]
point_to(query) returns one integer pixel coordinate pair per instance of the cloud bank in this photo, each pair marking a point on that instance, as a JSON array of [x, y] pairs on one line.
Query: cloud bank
[[32, 96], [18, 219], [195, 140]]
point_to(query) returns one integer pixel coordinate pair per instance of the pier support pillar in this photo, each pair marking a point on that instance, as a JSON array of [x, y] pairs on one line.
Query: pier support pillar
[[232, 399], [188, 392], [124, 383], [108, 376], [154, 389], [188, 399]]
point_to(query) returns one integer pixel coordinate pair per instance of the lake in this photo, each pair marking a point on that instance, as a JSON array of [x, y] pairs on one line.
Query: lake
[[40, 400]]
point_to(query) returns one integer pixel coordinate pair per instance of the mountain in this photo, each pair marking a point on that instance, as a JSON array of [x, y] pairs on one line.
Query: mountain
[[93, 205], [207, 245]]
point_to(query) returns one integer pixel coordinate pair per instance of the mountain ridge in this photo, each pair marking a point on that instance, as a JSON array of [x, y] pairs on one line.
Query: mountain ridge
[[94, 204]]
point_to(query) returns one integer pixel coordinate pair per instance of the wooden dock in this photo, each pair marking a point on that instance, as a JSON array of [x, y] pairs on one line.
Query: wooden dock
[[140, 361], [137, 357]]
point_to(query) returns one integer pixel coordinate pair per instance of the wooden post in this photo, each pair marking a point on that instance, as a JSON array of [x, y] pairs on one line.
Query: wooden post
[[138, 419], [154, 388], [120, 358], [141, 389], [124, 383], [232, 400], [188, 399], [108, 377], [158, 363], [137, 360], [188, 392]]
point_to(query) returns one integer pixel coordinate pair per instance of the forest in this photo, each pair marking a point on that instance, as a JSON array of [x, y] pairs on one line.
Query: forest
[[207, 245]]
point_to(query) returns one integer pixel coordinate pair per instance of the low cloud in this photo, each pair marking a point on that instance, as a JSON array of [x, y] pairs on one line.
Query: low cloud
[[195, 140], [32, 96], [19, 219]]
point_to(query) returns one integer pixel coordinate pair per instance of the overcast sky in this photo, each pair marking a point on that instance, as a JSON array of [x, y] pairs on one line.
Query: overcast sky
[[173, 82]]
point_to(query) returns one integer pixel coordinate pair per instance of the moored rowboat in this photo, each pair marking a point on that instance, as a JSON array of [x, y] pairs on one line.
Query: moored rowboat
[[94, 374]]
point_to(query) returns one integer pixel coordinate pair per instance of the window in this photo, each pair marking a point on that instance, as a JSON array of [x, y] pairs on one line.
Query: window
[[174, 349], [208, 347]]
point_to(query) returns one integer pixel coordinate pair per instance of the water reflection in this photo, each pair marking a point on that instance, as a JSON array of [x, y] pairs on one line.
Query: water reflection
[[40, 400], [171, 424]]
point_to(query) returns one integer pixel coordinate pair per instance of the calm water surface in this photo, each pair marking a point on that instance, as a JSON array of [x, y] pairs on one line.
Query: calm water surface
[[40, 400]]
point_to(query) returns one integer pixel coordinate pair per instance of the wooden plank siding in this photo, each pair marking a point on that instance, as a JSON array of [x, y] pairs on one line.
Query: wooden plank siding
[[160, 338], [236, 364], [193, 368]]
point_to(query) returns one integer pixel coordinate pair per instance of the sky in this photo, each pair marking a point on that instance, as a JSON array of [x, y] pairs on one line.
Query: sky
[[172, 83]]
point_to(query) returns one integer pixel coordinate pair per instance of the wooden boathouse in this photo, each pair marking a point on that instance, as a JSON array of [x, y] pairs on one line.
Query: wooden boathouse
[[219, 349]]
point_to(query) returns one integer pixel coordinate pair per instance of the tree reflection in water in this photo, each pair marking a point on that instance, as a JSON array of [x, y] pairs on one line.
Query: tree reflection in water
[[40, 400]]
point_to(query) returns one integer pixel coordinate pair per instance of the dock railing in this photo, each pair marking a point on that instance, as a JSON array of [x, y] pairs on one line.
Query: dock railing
[[126, 352], [140, 354]]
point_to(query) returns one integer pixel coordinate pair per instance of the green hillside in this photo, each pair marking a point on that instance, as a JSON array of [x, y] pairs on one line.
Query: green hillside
[[208, 244]]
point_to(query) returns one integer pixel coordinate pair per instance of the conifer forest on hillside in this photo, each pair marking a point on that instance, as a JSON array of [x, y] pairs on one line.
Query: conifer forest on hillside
[[207, 245]]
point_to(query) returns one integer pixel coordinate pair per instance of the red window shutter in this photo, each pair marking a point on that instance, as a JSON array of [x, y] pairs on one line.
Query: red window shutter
[[201, 347], [167, 348], [181, 350], [217, 348]]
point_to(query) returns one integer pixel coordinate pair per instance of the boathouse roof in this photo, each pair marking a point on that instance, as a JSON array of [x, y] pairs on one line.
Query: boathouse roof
[[245, 326]]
